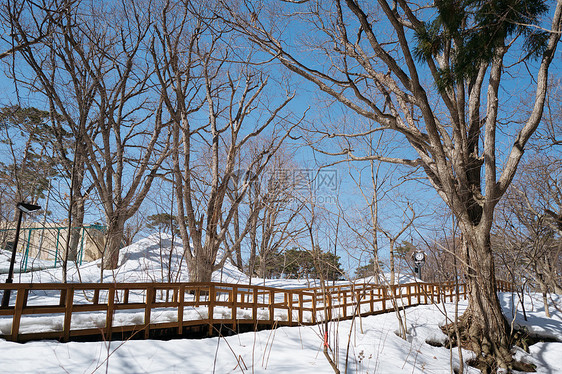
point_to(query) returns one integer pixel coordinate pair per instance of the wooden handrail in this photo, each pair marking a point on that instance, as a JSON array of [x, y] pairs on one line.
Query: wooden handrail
[[207, 304]]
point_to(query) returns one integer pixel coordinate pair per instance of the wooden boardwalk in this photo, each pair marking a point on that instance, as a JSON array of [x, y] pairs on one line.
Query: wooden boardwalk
[[95, 311]]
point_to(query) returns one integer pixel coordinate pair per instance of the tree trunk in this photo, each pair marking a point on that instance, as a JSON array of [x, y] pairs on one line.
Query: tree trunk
[[113, 239], [237, 251], [201, 266], [544, 291], [253, 250], [483, 324], [77, 222]]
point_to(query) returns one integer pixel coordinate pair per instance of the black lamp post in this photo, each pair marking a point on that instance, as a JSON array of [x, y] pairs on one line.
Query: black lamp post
[[419, 260], [27, 208]]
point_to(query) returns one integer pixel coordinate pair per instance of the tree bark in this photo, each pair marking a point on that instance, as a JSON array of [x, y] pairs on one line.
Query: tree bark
[[113, 240], [200, 267], [484, 323]]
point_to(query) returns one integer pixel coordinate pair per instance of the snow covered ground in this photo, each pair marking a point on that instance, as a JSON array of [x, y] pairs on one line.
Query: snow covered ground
[[19, 265], [373, 345], [144, 261]]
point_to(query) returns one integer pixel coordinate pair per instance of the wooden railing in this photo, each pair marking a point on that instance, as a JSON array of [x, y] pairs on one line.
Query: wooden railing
[[105, 310]]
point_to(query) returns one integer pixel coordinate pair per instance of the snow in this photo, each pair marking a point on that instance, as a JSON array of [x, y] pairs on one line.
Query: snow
[[32, 263], [374, 346]]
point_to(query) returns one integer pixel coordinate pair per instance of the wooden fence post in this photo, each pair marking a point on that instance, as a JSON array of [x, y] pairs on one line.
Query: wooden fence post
[[409, 290], [212, 300], [314, 306], [271, 307], [18, 310], [234, 303], [109, 315], [180, 300], [68, 303], [255, 305], [96, 298], [150, 298], [126, 296], [289, 299], [344, 304], [301, 306]]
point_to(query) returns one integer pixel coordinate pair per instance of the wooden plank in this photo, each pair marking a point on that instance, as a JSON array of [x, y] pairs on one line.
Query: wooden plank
[[43, 309], [118, 306]]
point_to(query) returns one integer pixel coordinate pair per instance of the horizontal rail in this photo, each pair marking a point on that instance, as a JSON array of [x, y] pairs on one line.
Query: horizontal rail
[[66, 311]]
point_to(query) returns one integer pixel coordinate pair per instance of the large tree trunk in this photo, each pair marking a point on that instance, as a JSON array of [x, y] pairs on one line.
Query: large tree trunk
[[201, 266], [483, 324], [113, 239]]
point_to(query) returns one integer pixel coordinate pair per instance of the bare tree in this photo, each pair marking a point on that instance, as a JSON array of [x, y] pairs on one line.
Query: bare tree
[[196, 56], [114, 117], [278, 222], [55, 62], [426, 80], [527, 233], [26, 137], [274, 206], [49, 14]]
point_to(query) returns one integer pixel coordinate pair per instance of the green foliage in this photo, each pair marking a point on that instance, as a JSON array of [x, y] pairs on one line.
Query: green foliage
[[474, 30], [27, 134], [368, 269], [297, 263], [163, 222], [403, 249]]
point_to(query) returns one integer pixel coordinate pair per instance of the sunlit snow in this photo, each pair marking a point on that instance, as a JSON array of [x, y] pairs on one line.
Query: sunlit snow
[[365, 345]]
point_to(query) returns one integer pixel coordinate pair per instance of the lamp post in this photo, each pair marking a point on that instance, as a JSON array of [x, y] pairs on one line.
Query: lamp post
[[419, 260], [22, 207]]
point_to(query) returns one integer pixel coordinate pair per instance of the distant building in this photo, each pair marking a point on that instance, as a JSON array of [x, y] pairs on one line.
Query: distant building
[[47, 241]]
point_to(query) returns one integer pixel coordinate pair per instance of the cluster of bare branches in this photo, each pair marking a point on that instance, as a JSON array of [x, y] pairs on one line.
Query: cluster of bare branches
[[129, 85]]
